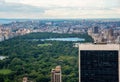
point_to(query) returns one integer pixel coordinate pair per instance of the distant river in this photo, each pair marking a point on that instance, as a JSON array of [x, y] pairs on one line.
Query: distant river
[[4, 21], [64, 39]]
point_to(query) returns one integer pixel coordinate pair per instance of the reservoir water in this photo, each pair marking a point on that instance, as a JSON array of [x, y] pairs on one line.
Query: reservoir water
[[64, 39]]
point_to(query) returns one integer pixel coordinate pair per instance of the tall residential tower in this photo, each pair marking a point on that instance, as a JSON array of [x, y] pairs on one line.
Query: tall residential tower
[[56, 75]]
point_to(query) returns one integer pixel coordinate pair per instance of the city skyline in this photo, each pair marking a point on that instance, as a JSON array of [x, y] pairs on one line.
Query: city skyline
[[59, 9]]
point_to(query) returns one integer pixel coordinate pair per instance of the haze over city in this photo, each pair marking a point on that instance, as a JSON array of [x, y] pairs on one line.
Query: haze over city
[[59, 9]]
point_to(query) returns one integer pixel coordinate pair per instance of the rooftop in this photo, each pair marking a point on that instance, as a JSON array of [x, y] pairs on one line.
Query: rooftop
[[90, 46]]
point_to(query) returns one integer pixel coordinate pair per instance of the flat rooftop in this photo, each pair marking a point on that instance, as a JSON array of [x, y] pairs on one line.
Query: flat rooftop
[[90, 46]]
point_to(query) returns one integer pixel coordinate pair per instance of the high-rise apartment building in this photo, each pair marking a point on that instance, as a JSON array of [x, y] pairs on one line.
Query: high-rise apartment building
[[99, 63], [25, 79], [96, 30], [110, 35], [56, 75]]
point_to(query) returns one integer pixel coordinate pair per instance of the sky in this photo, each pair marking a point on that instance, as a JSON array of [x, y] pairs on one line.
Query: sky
[[54, 9]]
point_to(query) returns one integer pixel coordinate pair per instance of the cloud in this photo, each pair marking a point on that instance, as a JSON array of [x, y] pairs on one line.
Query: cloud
[[70, 3], [19, 8], [60, 8], [82, 13], [2, 0]]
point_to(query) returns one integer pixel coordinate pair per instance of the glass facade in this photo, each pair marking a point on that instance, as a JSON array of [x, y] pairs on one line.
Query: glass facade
[[99, 66]]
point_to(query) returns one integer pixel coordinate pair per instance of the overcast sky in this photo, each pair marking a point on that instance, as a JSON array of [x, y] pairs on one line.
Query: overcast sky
[[59, 9]]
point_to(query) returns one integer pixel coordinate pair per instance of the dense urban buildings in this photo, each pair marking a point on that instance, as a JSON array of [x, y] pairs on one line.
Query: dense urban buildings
[[101, 30], [99, 63], [56, 75]]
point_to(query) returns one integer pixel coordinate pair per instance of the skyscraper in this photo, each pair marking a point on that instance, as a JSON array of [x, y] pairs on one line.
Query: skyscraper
[[56, 75], [99, 63], [110, 35], [96, 30], [25, 79]]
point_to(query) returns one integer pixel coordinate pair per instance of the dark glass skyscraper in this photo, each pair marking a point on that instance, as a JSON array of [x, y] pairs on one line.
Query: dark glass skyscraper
[[96, 30], [99, 63]]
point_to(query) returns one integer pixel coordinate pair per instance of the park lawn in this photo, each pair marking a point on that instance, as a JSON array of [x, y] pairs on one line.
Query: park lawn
[[5, 71]]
